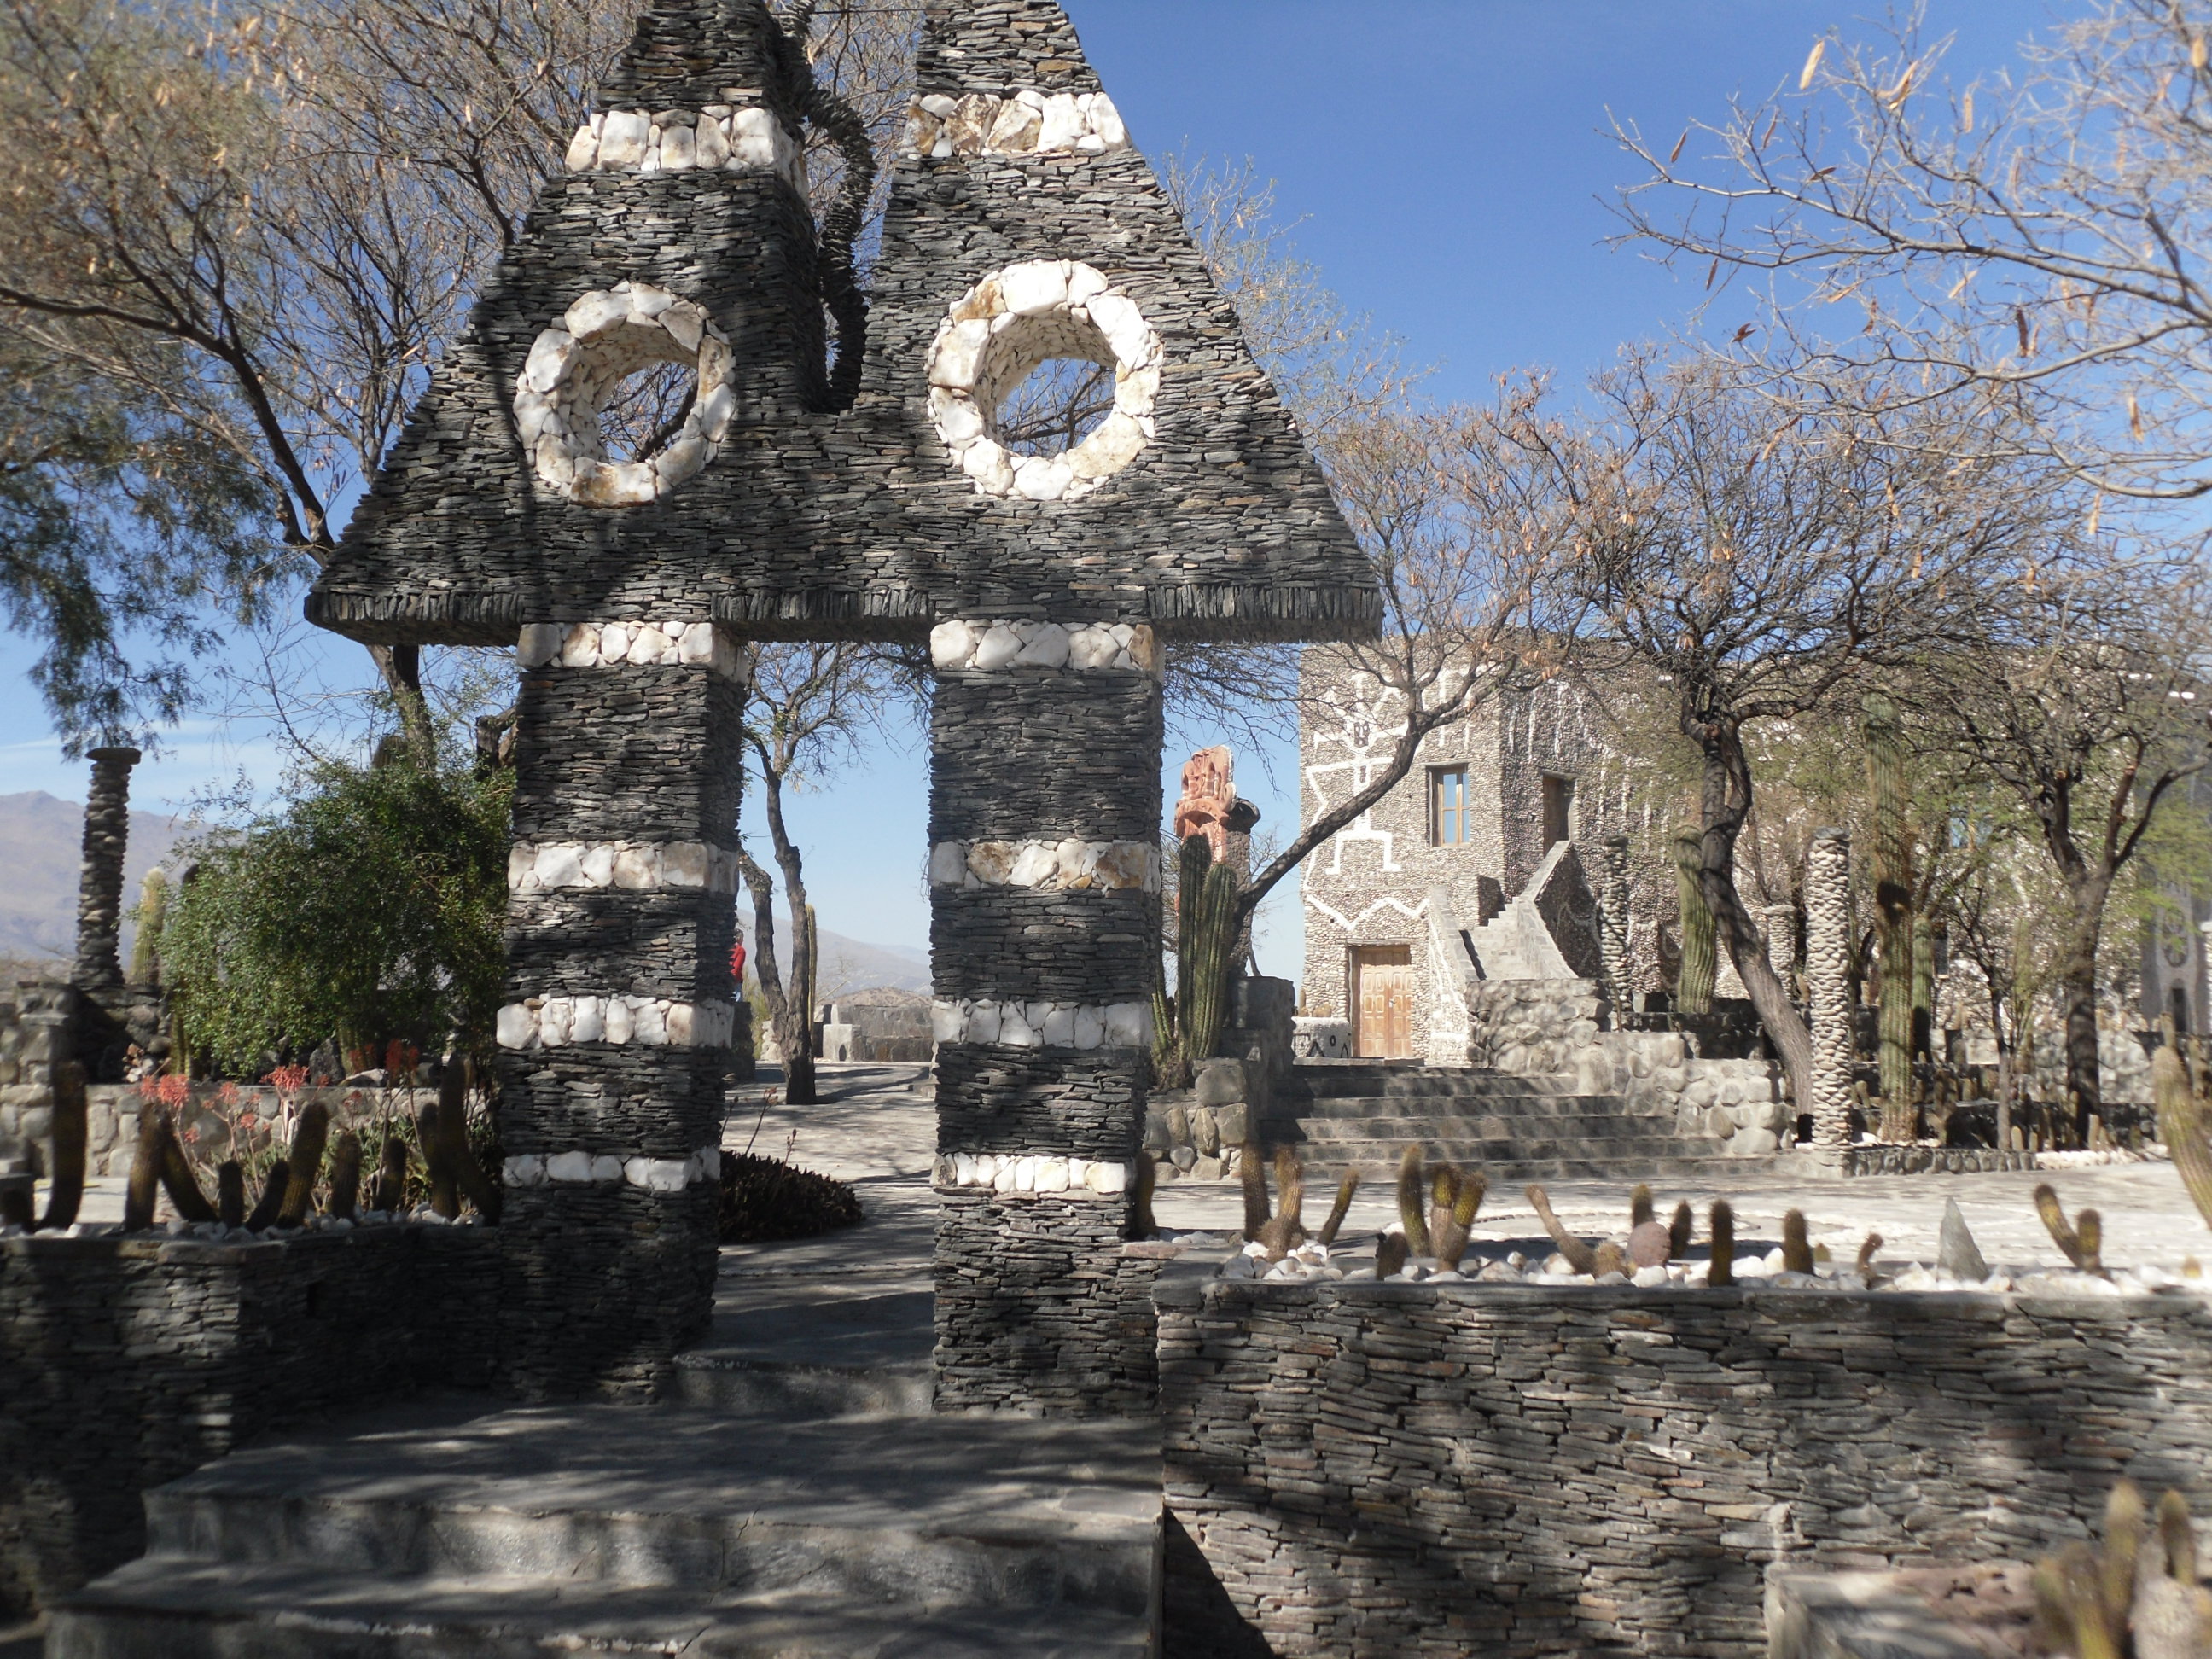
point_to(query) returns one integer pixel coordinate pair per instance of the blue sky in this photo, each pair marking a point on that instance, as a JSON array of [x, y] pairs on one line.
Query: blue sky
[[1448, 169]]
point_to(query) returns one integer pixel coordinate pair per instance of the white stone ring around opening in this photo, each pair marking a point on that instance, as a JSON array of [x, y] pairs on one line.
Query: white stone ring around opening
[[575, 366], [1003, 328]]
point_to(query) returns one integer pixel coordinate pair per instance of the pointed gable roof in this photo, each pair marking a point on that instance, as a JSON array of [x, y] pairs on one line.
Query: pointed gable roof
[[1021, 221]]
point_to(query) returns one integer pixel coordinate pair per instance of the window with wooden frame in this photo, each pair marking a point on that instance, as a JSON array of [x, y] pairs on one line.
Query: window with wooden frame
[[1451, 809]]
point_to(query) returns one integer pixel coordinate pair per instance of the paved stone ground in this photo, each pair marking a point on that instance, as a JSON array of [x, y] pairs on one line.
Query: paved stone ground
[[876, 1131]]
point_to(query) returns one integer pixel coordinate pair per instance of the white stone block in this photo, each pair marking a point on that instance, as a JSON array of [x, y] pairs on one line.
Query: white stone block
[[606, 1167], [537, 644], [999, 647], [1058, 1031], [550, 355], [658, 1174], [1089, 1029], [1092, 647], [583, 150], [553, 1021], [985, 1021], [1033, 867], [683, 457], [679, 1022], [1043, 478], [637, 869], [948, 864], [695, 645], [1124, 326], [1063, 123], [948, 1021], [525, 1170], [1034, 286], [990, 466], [648, 1021], [597, 866], [595, 313], [1015, 1030], [679, 148], [569, 1167], [1107, 1178], [710, 145], [517, 1026], [1129, 1024], [614, 642], [587, 1021], [620, 1019], [1077, 1168], [1046, 648], [580, 647], [709, 1160], [521, 867], [1025, 1175], [950, 644], [959, 355], [1106, 122], [622, 138], [684, 864], [963, 1169], [716, 410], [939, 106]]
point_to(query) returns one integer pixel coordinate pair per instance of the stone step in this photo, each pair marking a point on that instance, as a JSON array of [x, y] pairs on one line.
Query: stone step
[[1309, 1081], [1378, 1161], [985, 1512], [814, 1345], [1471, 1138], [1597, 1112], [161, 1608]]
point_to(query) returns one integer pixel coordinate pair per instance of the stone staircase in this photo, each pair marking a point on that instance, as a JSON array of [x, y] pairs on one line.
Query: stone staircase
[[1343, 1113], [795, 1499]]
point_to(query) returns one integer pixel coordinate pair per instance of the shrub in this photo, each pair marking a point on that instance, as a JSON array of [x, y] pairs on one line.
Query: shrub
[[764, 1199]]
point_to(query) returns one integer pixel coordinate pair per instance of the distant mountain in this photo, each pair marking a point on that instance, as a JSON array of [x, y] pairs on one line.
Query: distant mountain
[[40, 841], [850, 964]]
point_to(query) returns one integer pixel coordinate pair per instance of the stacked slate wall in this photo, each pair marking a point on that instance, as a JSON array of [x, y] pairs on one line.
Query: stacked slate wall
[[612, 1270], [128, 1362], [1035, 1309], [1507, 1470]]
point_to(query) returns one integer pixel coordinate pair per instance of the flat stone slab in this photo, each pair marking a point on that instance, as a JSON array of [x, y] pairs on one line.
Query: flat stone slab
[[814, 1346]]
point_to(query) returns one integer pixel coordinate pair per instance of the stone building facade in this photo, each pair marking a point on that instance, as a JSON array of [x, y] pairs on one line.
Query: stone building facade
[[1490, 854]]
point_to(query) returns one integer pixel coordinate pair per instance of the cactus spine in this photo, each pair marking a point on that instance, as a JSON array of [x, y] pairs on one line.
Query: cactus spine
[[1796, 1250], [1411, 1216], [1693, 983], [1466, 1203], [66, 1190], [1206, 957], [1892, 901]]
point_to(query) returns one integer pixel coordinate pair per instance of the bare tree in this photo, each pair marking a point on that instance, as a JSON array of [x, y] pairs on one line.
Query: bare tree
[[2083, 695], [1756, 562], [809, 708], [2045, 233]]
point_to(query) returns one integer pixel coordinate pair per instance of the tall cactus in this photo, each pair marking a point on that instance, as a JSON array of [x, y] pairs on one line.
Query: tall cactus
[[153, 910], [1892, 900], [1693, 985], [2185, 1124], [1207, 960], [66, 1190]]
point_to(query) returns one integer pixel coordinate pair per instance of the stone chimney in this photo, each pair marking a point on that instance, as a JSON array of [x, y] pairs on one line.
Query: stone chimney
[[100, 877]]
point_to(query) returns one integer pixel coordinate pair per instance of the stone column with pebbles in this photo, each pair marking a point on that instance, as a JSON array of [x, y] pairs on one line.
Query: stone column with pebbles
[[1044, 880], [1828, 981], [615, 1031], [1613, 930], [99, 878]]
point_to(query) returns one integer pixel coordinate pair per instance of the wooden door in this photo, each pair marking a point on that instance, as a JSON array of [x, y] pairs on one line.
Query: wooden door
[[1383, 1000]]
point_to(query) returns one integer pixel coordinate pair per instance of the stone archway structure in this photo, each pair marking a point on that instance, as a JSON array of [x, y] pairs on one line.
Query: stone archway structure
[[1022, 226]]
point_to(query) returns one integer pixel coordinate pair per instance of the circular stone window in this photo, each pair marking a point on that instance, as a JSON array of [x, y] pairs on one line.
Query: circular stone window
[[1042, 380], [636, 366]]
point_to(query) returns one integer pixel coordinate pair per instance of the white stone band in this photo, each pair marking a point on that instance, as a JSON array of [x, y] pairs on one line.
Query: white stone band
[[639, 866], [718, 138], [989, 648], [1013, 1172], [1044, 1025], [1046, 866], [645, 644], [997, 331], [649, 1022], [1029, 123], [654, 1175]]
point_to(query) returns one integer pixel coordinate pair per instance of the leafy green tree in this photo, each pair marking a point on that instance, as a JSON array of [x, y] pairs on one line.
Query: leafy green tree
[[366, 906]]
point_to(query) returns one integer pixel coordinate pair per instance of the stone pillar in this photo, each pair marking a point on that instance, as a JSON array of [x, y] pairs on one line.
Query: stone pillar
[[1044, 814], [1827, 975], [1613, 929], [100, 875], [1781, 940], [615, 1031]]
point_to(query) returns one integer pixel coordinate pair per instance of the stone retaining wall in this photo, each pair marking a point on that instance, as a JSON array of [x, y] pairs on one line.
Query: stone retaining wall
[[1377, 1468], [128, 1362]]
